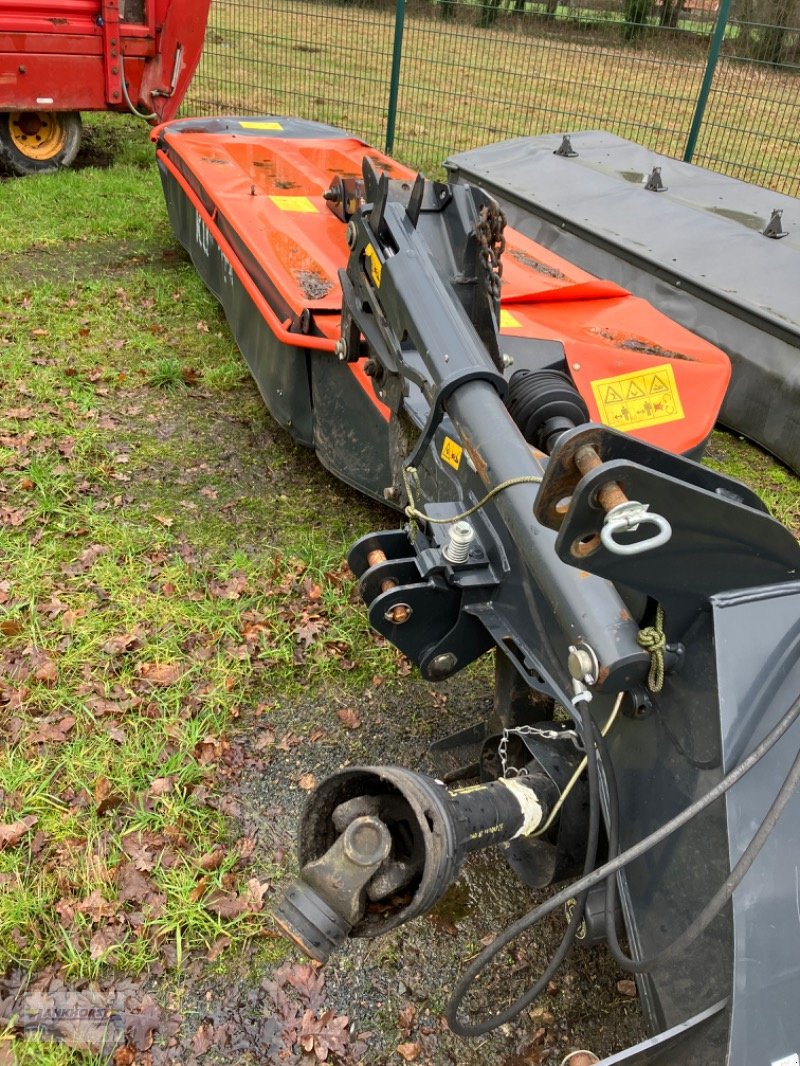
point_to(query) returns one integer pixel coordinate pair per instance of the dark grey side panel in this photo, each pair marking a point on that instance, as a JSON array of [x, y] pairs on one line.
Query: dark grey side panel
[[695, 251], [281, 372]]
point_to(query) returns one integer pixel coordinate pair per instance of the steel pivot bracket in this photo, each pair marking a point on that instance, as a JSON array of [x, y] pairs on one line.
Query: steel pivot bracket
[[714, 520]]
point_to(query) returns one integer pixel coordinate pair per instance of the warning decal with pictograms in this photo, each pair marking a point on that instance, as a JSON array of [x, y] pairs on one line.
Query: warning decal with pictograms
[[645, 398]]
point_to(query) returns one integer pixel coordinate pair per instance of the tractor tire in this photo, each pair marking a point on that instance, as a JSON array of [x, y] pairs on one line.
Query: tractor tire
[[37, 142]]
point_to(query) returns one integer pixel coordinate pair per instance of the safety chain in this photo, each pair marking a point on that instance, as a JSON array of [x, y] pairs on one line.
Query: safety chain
[[490, 232], [531, 731], [653, 640]]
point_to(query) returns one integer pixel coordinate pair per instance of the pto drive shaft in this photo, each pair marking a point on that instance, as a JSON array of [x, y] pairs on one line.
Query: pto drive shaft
[[394, 839]]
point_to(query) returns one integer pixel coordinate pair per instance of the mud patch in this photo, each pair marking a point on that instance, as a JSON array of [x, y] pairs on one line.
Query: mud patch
[[314, 286], [82, 261], [536, 264], [392, 990]]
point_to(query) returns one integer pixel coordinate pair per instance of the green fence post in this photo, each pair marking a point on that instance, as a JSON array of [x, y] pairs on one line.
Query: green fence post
[[394, 84], [713, 55]]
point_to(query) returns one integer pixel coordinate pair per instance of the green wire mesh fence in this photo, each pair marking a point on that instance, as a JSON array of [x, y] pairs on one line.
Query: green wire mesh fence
[[430, 77]]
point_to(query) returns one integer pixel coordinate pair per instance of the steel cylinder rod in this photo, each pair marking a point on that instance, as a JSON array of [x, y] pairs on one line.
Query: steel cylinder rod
[[587, 608]]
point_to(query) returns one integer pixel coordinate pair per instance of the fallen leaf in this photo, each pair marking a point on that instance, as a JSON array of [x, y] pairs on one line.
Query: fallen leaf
[[104, 939], [11, 833], [14, 516], [313, 592], [231, 589], [309, 630], [212, 860], [52, 732], [409, 1051], [85, 560], [159, 673], [134, 886], [209, 749], [348, 716], [324, 1034], [217, 948], [289, 740], [140, 1025], [95, 907], [307, 782], [626, 987], [46, 671], [123, 642], [203, 1039], [226, 904], [104, 796], [255, 893], [164, 520], [405, 1019], [199, 890]]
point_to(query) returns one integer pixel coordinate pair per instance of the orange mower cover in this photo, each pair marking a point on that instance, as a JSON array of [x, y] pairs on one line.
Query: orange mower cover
[[247, 198]]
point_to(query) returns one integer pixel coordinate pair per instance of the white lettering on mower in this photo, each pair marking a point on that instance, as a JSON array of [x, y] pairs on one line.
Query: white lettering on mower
[[202, 235], [788, 1060]]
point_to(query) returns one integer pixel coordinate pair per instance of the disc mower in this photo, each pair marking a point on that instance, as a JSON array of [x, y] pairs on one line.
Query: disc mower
[[536, 430]]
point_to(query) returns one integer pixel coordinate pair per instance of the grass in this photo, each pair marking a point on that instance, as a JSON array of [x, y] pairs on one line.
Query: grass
[[157, 564], [461, 86]]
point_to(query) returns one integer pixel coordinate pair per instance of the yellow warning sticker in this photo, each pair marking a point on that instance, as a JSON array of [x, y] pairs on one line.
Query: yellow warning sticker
[[452, 452], [374, 265], [507, 320], [250, 125], [294, 203], [633, 401]]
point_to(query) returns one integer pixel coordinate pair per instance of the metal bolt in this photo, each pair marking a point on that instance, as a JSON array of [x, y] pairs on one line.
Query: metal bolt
[[366, 841], [582, 664], [457, 549], [351, 234], [340, 350], [507, 360], [442, 666], [399, 614]]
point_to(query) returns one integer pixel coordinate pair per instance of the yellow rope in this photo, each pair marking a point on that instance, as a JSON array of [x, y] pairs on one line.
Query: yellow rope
[[653, 640]]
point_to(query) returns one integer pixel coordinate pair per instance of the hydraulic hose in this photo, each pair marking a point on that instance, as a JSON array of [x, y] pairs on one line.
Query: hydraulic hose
[[593, 779], [619, 862]]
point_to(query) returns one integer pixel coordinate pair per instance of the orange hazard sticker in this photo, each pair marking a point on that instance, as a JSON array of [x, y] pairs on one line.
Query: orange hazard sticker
[[294, 203], [632, 401], [452, 452]]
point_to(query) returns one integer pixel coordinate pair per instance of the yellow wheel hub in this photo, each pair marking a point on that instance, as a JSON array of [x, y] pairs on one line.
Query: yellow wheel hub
[[37, 134]]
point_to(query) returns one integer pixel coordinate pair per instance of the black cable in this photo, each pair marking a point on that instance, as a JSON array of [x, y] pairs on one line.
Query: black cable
[[611, 868], [593, 836]]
